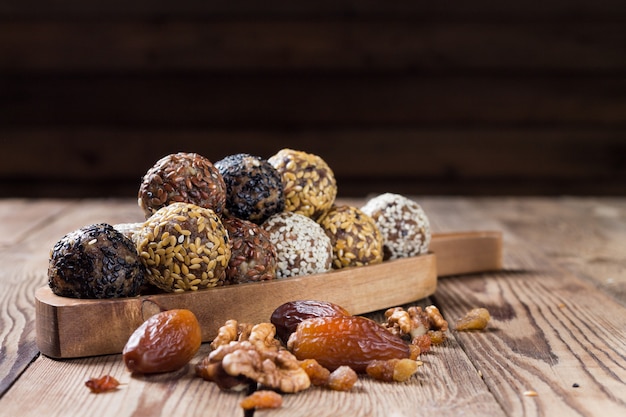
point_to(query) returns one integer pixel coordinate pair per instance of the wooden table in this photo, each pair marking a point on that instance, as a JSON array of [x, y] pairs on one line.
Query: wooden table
[[556, 344]]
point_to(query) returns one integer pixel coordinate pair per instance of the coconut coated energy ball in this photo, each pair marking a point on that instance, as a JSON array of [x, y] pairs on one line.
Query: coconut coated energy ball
[[253, 256], [403, 224], [182, 177], [254, 190], [301, 245], [309, 184], [95, 261], [354, 235], [184, 248]]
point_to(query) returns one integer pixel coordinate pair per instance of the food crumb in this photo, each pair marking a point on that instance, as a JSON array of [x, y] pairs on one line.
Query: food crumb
[[575, 385], [262, 399], [475, 319], [530, 393], [103, 384]]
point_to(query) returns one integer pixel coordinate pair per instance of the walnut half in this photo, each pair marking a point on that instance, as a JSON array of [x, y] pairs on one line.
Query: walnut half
[[259, 359]]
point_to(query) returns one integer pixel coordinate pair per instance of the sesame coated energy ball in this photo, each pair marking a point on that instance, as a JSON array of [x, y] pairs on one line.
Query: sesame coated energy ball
[[95, 261], [403, 224], [182, 177], [254, 190], [309, 183], [129, 229], [301, 245], [253, 255], [184, 248], [354, 235]]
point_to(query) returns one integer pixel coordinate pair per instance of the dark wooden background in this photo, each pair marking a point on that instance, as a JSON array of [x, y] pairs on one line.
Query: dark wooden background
[[483, 97]]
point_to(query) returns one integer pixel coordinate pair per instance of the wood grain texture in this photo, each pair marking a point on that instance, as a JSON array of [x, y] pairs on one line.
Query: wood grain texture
[[561, 348], [393, 43], [454, 8], [100, 162], [551, 327], [24, 261], [522, 75]]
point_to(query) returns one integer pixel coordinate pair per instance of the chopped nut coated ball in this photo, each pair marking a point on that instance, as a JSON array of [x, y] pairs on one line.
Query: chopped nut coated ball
[[354, 235], [403, 224], [309, 183]]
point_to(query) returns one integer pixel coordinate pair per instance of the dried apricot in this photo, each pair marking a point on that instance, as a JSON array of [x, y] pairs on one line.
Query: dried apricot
[[165, 342], [288, 315], [345, 340]]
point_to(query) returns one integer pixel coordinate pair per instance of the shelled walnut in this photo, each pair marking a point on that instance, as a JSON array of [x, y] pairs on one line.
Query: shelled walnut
[[260, 358], [422, 326]]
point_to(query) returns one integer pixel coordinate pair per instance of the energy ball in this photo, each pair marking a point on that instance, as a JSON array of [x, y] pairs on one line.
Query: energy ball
[[129, 229], [354, 235], [182, 177], [309, 183], [403, 224], [95, 261], [301, 245], [184, 248], [254, 190], [253, 256]]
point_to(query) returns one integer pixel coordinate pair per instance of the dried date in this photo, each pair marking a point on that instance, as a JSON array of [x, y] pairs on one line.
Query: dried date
[[165, 342], [353, 341], [288, 315]]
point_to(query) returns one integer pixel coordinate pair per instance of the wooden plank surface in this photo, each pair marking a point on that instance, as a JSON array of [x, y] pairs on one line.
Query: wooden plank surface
[[332, 100], [550, 329], [99, 161], [157, 73], [434, 46], [454, 8]]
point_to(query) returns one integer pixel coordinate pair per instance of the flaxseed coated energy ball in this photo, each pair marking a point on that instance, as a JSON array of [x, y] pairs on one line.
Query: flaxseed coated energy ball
[[254, 190], [253, 255], [182, 177], [95, 261], [184, 248], [354, 235], [301, 245], [403, 224], [309, 183]]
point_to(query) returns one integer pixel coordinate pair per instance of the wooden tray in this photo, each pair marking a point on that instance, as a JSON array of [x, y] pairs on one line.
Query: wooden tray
[[68, 327]]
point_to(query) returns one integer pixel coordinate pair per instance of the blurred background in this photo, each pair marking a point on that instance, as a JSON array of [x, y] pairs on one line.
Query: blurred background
[[478, 97]]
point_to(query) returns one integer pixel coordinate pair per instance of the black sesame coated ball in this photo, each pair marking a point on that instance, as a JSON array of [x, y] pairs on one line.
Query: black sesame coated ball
[[95, 261], [254, 189]]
